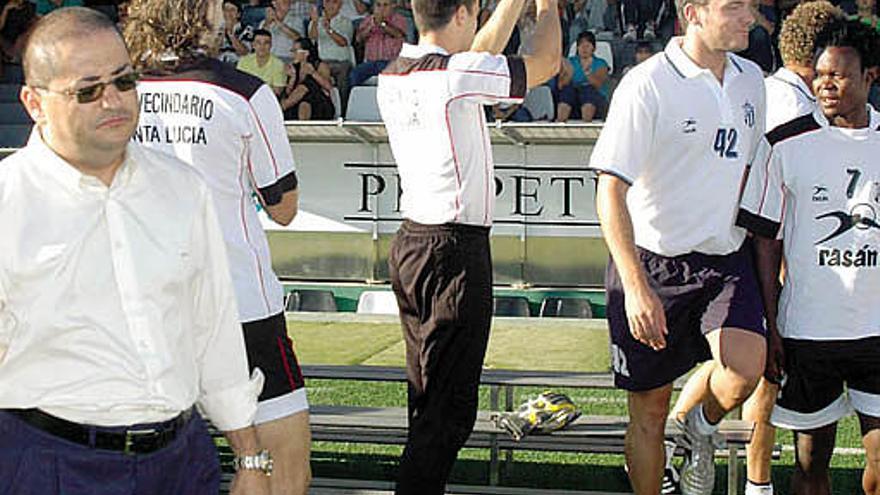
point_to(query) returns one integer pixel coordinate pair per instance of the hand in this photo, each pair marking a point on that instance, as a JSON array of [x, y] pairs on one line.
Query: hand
[[773, 371], [326, 23], [313, 13], [270, 16], [250, 482], [647, 320], [378, 18]]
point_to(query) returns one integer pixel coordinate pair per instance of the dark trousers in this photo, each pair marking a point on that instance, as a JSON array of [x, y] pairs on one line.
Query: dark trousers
[[442, 277], [35, 462]]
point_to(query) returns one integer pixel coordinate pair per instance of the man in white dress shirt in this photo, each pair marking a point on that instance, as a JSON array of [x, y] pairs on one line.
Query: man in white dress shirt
[[117, 313]]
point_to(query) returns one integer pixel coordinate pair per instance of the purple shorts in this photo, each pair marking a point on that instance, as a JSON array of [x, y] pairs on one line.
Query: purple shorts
[[700, 293]]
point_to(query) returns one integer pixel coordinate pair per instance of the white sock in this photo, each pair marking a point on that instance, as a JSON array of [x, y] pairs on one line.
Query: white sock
[[704, 427], [759, 489]]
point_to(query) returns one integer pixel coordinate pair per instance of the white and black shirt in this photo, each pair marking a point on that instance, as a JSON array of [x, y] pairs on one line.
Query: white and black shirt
[[432, 105], [817, 187], [228, 125], [684, 142], [788, 97]]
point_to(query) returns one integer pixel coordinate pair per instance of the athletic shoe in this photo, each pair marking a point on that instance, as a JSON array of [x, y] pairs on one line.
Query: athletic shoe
[[698, 472], [670, 482], [630, 34], [649, 33]]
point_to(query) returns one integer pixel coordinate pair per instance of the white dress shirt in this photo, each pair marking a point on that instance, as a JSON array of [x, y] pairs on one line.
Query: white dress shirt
[[116, 305]]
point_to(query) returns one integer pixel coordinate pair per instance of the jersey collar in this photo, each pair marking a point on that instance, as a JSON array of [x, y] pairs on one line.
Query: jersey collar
[[873, 123], [791, 78], [687, 69], [419, 51]]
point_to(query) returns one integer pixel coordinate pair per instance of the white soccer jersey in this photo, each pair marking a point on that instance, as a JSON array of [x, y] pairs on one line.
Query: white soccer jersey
[[684, 142], [187, 114], [432, 105], [788, 97], [818, 188]]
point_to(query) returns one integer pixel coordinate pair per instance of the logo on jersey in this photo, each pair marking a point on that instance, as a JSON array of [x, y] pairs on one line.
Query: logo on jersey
[[861, 216], [820, 193], [689, 126], [749, 114]]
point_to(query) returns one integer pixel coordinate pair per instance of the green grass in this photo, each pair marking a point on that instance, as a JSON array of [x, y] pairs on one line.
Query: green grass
[[523, 344]]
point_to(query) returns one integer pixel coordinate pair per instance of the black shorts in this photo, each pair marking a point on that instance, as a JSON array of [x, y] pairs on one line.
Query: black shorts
[[700, 293], [270, 349], [813, 393]]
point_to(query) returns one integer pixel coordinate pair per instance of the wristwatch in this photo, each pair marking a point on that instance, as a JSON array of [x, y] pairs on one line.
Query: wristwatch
[[261, 461], [383, 24]]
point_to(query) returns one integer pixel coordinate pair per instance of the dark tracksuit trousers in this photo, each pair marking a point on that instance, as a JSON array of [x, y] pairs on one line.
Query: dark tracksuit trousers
[[442, 277]]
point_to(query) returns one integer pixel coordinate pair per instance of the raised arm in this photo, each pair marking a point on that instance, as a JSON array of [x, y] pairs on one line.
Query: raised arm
[[543, 63], [493, 36]]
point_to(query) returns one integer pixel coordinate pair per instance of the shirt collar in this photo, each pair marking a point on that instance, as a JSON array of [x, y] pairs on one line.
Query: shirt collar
[[420, 50], [686, 68], [873, 121], [68, 175], [791, 77]]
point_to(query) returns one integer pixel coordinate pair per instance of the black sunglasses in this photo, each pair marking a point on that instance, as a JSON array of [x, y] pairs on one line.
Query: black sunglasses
[[93, 92]]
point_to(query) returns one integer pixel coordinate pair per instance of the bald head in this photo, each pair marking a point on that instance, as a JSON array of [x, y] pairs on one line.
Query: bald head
[[39, 60]]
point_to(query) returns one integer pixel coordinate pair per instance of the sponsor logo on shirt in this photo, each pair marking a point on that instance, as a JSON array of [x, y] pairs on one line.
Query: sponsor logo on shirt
[[689, 126], [820, 194], [749, 114]]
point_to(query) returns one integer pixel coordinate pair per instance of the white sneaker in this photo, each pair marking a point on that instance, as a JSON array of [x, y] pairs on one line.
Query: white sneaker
[[698, 472], [670, 482], [630, 34], [649, 33]]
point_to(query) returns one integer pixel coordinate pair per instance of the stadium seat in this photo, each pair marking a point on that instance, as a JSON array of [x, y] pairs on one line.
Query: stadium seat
[[14, 114], [9, 92], [539, 103], [311, 300], [566, 307], [14, 136], [377, 302], [362, 105], [603, 51], [510, 306]]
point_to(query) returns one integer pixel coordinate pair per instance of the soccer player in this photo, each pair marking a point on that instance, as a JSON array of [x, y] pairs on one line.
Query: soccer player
[[431, 99], [813, 198], [788, 95], [229, 125], [681, 131]]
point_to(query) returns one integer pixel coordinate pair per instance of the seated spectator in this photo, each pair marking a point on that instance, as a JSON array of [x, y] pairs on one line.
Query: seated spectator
[[509, 113], [46, 6], [286, 23], [237, 38], [307, 94], [332, 32], [382, 35], [583, 83], [354, 10], [15, 20], [263, 64], [641, 14], [644, 51]]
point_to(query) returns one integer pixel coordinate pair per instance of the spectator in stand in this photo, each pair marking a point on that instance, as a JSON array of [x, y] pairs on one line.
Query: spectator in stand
[[644, 51], [16, 18], [263, 64], [333, 32], [354, 10], [641, 14], [760, 50], [46, 6], [286, 22], [307, 94], [237, 38], [583, 83], [382, 35]]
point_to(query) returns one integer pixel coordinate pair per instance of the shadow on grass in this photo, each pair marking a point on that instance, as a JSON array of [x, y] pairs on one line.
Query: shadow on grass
[[610, 478]]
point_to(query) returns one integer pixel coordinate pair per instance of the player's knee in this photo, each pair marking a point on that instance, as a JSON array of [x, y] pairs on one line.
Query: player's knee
[[649, 418], [740, 382]]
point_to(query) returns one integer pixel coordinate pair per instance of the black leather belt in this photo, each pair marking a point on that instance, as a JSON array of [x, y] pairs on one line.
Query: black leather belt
[[128, 440]]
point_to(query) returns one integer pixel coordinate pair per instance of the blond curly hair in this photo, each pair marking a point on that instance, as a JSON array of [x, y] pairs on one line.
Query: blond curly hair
[[797, 39], [163, 33]]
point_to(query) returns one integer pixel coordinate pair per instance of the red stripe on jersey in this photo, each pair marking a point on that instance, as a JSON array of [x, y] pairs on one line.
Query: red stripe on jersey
[[462, 71], [766, 181], [244, 203], [286, 363], [265, 139]]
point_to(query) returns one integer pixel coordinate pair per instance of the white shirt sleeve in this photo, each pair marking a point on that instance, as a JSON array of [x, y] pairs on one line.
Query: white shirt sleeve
[[226, 394], [626, 142], [271, 164], [763, 202], [487, 78]]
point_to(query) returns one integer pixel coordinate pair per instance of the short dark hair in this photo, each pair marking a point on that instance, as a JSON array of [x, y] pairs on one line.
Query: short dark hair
[[851, 34], [586, 35], [39, 60], [433, 15], [262, 32]]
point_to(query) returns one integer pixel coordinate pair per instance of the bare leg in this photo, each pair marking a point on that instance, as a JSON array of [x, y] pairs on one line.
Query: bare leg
[[644, 438], [739, 356], [588, 111], [563, 112], [760, 450], [289, 441], [305, 111], [694, 391], [871, 440], [812, 454]]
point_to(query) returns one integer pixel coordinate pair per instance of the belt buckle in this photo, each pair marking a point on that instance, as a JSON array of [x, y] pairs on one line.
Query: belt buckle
[[131, 435]]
